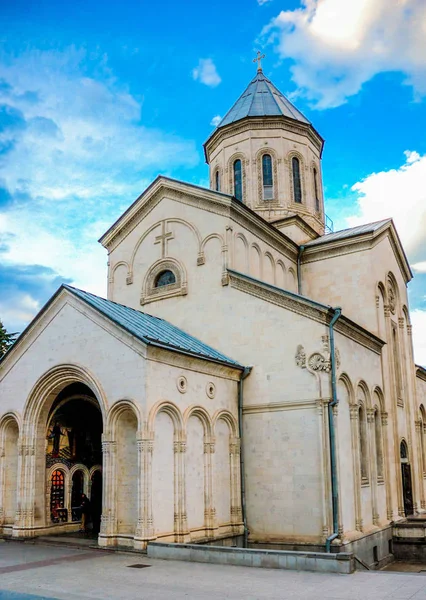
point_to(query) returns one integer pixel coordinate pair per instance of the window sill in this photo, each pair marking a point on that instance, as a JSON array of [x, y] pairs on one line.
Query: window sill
[[380, 481], [163, 293], [365, 482]]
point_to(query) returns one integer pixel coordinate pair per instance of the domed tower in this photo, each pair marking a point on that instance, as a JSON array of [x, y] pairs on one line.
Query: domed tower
[[268, 155]]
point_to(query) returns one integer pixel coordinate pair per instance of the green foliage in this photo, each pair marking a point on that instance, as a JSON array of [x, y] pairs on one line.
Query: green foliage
[[6, 339]]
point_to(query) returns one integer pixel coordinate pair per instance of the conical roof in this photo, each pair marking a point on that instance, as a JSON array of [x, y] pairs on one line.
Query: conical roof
[[262, 99]]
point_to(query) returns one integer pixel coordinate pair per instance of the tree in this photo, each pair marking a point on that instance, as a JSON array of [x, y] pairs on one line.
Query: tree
[[6, 339]]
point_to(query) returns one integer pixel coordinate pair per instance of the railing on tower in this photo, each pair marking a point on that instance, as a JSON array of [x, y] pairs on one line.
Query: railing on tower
[[329, 225]]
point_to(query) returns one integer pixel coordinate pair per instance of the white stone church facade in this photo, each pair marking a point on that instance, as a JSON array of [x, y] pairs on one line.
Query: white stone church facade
[[249, 374]]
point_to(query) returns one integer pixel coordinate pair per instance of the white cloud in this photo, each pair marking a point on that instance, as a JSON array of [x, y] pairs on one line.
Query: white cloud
[[419, 267], [401, 194], [418, 320], [339, 45], [206, 72], [262, 2], [216, 120], [74, 154]]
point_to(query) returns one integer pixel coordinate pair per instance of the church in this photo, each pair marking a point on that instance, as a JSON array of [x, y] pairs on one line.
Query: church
[[248, 380]]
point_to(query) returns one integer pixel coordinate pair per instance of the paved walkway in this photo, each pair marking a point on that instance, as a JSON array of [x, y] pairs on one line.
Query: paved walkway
[[33, 571]]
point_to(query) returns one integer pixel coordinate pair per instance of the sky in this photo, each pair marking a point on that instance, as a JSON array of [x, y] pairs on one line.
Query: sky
[[98, 98]]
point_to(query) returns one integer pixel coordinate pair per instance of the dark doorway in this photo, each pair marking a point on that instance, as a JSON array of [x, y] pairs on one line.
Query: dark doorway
[[76, 492], [96, 500], [407, 490]]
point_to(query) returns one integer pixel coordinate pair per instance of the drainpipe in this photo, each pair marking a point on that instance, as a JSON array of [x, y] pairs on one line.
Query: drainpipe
[[332, 434], [299, 269], [246, 372]]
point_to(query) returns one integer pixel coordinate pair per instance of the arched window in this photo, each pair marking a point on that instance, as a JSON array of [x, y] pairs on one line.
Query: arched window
[[165, 278], [268, 186], [404, 450], [379, 445], [238, 180], [297, 186], [317, 200], [57, 495], [217, 181], [363, 458]]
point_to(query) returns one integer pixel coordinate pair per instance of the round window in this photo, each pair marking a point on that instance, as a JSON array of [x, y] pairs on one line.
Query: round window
[[165, 278]]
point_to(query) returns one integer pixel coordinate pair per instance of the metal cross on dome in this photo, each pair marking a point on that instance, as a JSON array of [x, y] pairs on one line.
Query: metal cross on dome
[[259, 58]]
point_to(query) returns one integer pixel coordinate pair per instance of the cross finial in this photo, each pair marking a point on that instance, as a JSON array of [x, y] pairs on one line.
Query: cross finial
[[259, 60]]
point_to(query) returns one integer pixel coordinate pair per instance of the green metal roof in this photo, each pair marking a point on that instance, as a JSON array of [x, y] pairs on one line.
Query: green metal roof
[[152, 330]]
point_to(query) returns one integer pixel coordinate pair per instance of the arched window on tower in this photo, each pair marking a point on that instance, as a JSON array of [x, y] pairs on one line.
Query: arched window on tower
[[297, 186], [217, 181], [317, 200], [238, 180], [268, 184]]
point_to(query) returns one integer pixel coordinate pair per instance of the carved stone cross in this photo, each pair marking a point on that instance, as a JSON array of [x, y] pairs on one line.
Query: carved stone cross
[[164, 238]]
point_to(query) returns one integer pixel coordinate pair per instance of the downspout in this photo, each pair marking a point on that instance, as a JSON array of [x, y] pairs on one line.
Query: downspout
[[299, 270], [332, 433], [246, 372]]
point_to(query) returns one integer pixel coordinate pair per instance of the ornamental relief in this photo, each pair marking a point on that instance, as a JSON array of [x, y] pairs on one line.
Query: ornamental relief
[[317, 362]]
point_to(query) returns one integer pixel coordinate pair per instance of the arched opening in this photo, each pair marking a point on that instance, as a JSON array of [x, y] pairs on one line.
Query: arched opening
[[166, 277], [217, 181], [363, 459], [238, 180], [407, 490], [10, 473], [73, 434], [195, 476], [297, 185], [267, 177], [379, 445], [223, 473], [77, 490], [127, 468]]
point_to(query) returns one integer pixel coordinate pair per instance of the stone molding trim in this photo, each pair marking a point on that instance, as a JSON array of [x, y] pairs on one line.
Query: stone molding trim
[[262, 124], [288, 161], [307, 308], [150, 293], [230, 170], [311, 403]]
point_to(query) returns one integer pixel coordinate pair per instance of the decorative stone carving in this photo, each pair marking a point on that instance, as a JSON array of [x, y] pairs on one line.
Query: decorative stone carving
[[179, 447], [317, 362], [211, 390], [182, 384], [300, 357], [337, 357], [384, 416]]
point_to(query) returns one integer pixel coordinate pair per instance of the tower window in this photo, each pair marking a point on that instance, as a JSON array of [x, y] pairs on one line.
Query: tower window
[[165, 278], [268, 188], [217, 181], [238, 180], [317, 200], [297, 186]]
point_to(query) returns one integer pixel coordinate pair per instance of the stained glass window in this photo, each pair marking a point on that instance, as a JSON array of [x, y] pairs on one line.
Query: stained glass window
[[317, 202], [165, 278], [238, 180], [297, 187], [57, 494], [217, 181], [268, 190]]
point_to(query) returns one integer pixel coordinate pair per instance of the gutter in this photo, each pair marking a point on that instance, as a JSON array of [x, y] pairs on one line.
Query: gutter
[[299, 270], [332, 433], [246, 372]]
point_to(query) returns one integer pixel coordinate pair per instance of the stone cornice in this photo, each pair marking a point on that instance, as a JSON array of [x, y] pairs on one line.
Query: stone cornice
[[262, 123], [281, 406], [297, 220], [192, 363], [310, 309], [203, 198], [358, 243], [421, 372]]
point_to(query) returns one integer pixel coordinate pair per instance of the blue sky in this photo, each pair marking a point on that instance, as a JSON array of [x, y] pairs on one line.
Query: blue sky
[[98, 98]]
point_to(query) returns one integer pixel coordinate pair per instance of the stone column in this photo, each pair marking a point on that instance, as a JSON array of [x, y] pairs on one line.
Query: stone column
[[26, 488], [354, 414], [234, 461], [181, 520], [107, 536], [336, 429], [209, 499], [144, 530], [419, 433], [389, 511], [327, 511], [372, 451]]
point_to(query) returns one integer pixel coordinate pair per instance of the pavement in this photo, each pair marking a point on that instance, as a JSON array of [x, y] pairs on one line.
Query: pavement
[[35, 571]]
